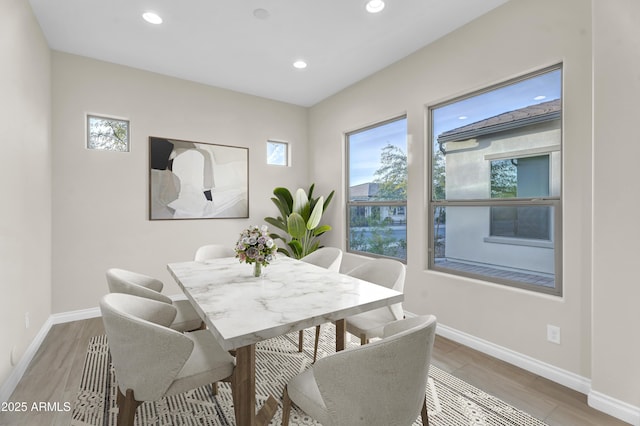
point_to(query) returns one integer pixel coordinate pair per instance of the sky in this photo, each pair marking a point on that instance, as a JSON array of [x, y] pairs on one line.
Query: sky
[[365, 146], [543, 88]]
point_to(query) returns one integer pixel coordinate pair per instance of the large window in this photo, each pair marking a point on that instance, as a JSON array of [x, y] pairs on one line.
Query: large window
[[495, 208], [377, 188]]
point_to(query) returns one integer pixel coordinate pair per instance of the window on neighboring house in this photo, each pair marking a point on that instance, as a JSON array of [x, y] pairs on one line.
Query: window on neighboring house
[[520, 178], [377, 188], [107, 133], [495, 207]]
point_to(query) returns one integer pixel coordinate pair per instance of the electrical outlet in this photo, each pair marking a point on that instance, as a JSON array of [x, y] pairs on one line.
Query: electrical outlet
[[27, 322], [553, 334]]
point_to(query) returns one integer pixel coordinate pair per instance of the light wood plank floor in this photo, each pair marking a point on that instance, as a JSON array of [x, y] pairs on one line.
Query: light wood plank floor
[[54, 376]]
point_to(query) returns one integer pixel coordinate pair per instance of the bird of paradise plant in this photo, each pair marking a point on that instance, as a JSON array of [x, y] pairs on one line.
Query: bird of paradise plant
[[300, 216]]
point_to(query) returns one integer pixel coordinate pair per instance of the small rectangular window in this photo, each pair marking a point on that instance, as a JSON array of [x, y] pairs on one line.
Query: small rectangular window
[[107, 134], [277, 153]]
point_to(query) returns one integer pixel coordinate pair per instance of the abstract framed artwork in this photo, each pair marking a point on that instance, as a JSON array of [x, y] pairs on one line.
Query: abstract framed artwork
[[197, 180]]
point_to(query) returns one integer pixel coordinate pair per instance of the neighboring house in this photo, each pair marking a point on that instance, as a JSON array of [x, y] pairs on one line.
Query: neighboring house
[[511, 155], [368, 192]]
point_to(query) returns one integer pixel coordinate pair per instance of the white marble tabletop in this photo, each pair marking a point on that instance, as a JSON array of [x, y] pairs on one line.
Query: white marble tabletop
[[291, 295]]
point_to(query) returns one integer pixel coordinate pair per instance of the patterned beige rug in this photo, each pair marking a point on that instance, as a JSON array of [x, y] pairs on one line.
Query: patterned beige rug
[[451, 401]]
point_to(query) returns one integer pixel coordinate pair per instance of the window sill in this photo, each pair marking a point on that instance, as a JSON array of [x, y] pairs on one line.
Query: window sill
[[520, 242]]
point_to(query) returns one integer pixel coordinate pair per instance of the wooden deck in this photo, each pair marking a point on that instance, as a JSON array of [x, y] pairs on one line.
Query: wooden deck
[[543, 280]]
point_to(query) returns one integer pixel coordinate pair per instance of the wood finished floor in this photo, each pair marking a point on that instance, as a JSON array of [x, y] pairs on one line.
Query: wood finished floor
[[54, 376]]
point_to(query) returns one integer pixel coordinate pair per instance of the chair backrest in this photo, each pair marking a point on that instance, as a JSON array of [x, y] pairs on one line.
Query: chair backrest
[[128, 282], [385, 272], [351, 261], [326, 257], [213, 251], [382, 383], [146, 354]]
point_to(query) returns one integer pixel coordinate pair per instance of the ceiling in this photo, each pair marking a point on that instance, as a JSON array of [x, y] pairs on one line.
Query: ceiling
[[250, 45]]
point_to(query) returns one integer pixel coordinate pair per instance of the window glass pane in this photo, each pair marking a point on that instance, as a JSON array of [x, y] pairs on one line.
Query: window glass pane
[[467, 134], [377, 215], [521, 222], [378, 230], [378, 162], [277, 153], [460, 244], [109, 134]]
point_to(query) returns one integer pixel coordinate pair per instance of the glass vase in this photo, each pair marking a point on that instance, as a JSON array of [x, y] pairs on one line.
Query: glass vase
[[257, 269]]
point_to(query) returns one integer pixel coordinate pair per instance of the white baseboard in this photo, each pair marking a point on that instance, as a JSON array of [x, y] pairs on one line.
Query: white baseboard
[[614, 407], [16, 374], [79, 315], [548, 371], [18, 371]]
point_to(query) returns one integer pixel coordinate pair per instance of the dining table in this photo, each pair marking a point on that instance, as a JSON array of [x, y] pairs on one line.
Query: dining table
[[241, 310]]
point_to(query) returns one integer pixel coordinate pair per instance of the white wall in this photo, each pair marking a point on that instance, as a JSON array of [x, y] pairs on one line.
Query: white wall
[[100, 199], [616, 287], [516, 38], [25, 215]]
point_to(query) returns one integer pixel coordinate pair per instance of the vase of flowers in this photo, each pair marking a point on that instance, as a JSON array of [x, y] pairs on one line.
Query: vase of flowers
[[256, 248]]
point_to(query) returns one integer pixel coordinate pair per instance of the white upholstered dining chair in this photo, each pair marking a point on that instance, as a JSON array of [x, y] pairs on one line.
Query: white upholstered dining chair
[[213, 251], [325, 257], [385, 272], [124, 281], [379, 384], [153, 361]]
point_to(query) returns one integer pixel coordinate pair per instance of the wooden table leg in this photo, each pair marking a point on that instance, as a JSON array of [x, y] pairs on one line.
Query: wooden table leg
[[341, 331], [245, 386]]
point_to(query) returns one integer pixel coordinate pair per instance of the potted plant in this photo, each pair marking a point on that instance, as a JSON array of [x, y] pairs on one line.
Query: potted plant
[[300, 216]]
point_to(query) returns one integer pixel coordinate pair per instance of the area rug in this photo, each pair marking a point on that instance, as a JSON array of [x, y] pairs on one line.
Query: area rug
[[451, 402]]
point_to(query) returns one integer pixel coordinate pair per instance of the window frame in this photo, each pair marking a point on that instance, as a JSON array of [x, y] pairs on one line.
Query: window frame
[[553, 201], [89, 116], [287, 150], [349, 204]]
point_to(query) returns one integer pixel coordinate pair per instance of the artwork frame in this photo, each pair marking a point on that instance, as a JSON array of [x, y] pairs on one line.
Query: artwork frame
[[197, 180]]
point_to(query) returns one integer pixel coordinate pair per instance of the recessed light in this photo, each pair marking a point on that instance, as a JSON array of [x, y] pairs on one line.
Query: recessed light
[[261, 14], [300, 64], [374, 6], [152, 18], [462, 117], [539, 98]]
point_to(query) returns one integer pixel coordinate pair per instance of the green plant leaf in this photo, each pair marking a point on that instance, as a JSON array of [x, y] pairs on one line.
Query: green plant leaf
[[278, 223], [296, 249], [328, 200], [296, 226], [316, 215], [299, 200], [284, 210], [284, 251], [310, 192], [321, 230], [285, 198]]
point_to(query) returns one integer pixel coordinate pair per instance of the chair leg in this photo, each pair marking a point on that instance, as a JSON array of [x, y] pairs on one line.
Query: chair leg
[[286, 407], [234, 393], [300, 340], [127, 406], [425, 416], [315, 344], [363, 339], [214, 388]]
